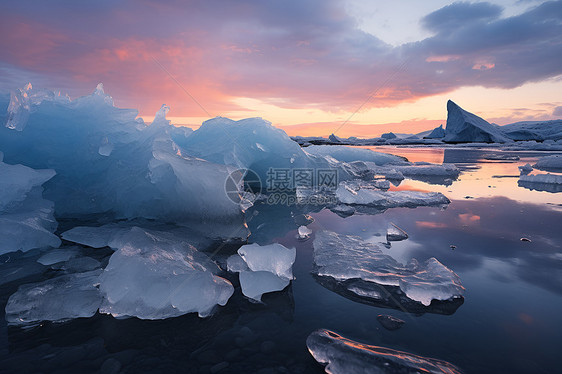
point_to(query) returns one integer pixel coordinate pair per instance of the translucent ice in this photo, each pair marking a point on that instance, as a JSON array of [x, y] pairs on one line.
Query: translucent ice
[[345, 356], [152, 277], [107, 161], [26, 219], [255, 283], [61, 298], [269, 268], [275, 258], [343, 258]]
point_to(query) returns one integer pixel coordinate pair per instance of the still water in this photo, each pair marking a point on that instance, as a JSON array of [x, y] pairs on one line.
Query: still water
[[509, 321]]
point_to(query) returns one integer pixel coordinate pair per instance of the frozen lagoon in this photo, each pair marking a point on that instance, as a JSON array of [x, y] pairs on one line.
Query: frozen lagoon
[[512, 295]]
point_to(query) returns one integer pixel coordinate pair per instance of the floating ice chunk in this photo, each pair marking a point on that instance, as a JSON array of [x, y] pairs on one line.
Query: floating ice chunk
[[304, 233], [541, 182], [388, 199], [57, 255], [275, 258], [268, 268], [25, 101], [395, 233], [350, 154], [107, 161], [160, 280], [345, 356], [549, 163], [61, 298], [236, 264], [463, 127], [344, 258], [389, 322], [525, 169], [255, 283], [26, 219]]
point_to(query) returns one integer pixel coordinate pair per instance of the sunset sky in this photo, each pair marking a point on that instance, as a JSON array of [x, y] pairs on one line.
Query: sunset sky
[[307, 66]]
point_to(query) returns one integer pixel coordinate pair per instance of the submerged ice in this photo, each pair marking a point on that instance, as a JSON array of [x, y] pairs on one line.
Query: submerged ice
[[344, 356]]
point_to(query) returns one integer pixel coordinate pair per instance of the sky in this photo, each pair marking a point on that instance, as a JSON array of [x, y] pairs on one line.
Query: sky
[[314, 67]]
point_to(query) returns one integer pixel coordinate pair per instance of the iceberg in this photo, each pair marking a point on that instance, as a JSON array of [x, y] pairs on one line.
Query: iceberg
[[155, 277], [304, 233], [463, 127], [541, 182], [389, 322], [110, 163], [345, 356], [26, 218], [58, 299], [549, 163], [436, 133], [345, 259]]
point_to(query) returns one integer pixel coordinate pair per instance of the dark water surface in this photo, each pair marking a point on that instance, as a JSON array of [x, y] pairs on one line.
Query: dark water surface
[[510, 321]]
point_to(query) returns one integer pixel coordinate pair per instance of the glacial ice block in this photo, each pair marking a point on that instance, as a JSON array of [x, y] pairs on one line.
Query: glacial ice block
[[26, 218], [274, 258], [109, 162], [256, 283], [344, 258], [61, 298], [465, 127], [153, 278], [345, 356], [269, 268]]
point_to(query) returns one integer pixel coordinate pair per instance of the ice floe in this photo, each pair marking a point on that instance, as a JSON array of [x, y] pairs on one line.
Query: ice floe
[[263, 269]]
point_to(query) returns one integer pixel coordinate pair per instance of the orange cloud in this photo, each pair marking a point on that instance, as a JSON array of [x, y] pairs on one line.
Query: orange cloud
[[430, 225]]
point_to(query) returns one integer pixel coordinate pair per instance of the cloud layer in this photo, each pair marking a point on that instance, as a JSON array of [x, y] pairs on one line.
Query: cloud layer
[[291, 53]]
